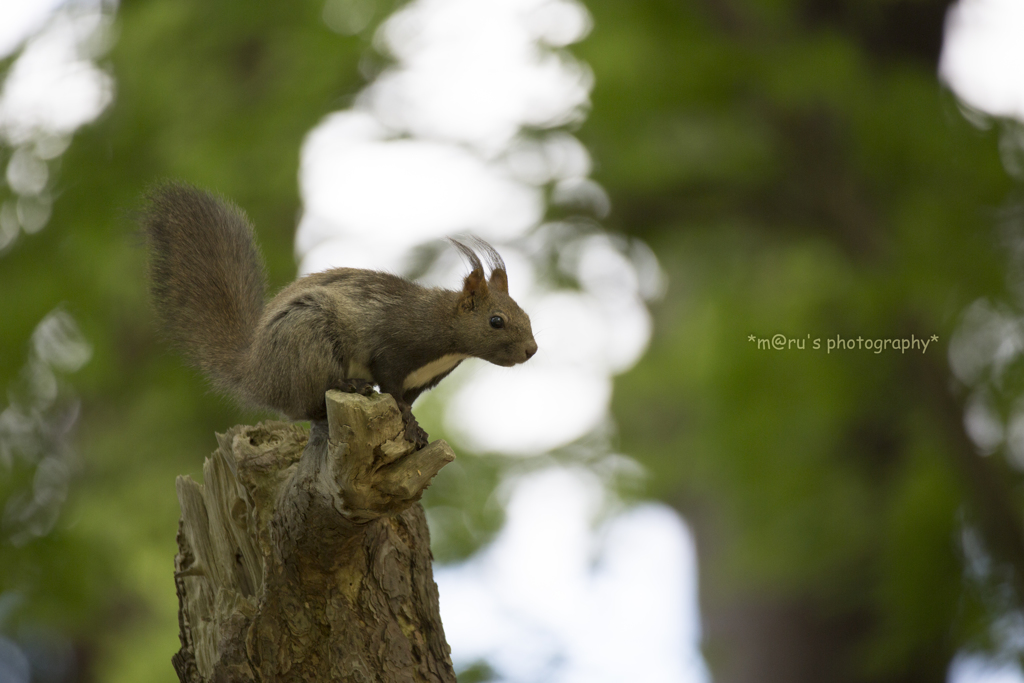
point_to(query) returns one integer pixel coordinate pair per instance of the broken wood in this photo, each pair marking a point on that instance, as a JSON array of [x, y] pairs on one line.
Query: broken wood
[[309, 559]]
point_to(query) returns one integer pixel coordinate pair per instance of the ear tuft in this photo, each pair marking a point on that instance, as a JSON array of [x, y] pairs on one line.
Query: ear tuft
[[494, 259], [474, 260], [475, 284]]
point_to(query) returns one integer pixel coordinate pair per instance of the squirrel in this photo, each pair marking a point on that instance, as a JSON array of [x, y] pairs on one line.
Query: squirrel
[[344, 328]]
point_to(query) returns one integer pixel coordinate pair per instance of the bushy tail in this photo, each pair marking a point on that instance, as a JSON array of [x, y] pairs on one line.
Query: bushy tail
[[207, 278]]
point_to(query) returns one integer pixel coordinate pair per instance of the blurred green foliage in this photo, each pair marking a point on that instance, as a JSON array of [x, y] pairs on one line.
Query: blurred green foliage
[[222, 95], [796, 167], [799, 170]]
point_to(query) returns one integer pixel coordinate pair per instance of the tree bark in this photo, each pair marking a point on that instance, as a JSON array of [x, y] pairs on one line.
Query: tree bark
[[303, 560]]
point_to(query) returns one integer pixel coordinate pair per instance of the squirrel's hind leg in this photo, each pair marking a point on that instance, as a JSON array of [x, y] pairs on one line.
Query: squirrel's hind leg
[[318, 412]]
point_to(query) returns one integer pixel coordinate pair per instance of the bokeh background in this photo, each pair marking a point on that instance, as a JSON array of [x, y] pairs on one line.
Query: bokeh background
[[661, 494]]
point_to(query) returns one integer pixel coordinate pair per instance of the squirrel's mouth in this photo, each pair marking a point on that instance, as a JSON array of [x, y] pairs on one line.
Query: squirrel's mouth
[[521, 357]]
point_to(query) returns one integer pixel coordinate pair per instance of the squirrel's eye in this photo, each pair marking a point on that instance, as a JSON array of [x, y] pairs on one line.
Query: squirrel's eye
[[497, 322]]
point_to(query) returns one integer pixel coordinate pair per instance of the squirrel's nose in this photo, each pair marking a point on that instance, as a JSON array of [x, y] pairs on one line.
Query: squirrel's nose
[[531, 349]]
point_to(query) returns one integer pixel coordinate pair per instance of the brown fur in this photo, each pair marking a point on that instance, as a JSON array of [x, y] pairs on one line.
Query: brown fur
[[342, 328]]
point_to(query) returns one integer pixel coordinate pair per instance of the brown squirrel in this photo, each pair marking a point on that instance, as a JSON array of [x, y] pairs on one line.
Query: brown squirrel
[[343, 328]]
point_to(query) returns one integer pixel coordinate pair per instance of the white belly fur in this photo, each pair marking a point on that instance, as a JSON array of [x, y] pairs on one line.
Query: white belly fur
[[421, 376]]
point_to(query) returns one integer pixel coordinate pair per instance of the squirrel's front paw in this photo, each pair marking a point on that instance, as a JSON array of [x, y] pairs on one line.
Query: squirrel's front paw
[[415, 434], [356, 386]]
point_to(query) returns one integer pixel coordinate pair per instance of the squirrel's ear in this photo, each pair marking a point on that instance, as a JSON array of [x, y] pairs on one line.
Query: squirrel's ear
[[473, 288], [499, 280]]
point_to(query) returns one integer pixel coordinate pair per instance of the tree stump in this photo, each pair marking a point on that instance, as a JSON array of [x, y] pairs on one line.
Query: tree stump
[[309, 560]]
